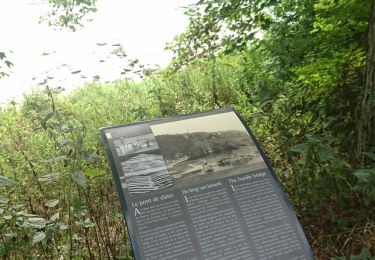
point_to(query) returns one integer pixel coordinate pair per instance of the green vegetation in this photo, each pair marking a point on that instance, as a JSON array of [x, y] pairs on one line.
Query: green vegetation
[[304, 88], [4, 64], [68, 13]]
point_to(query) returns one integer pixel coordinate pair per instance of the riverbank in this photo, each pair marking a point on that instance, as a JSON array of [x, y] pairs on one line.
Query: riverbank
[[122, 40]]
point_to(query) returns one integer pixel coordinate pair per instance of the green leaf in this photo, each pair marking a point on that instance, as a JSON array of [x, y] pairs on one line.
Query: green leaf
[[325, 153], [44, 121], [313, 138], [7, 182], [364, 174], [366, 201], [55, 216], [39, 236], [18, 206], [51, 203], [90, 157], [62, 226], [8, 217], [88, 223], [25, 214], [300, 148], [3, 200], [8, 63], [49, 116], [67, 128], [76, 204], [93, 172], [364, 255], [37, 222], [370, 155], [9, 236], [64, 143], [57, 159], [80, 179], [49, 177], [22, 244]]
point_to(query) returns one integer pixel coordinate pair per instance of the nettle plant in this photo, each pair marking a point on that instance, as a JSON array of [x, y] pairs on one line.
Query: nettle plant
[[21, 230], [46, 208], [321, 166], [366, 180]]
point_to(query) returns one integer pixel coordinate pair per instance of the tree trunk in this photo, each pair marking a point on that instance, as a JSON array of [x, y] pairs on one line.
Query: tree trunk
[[366, 131]]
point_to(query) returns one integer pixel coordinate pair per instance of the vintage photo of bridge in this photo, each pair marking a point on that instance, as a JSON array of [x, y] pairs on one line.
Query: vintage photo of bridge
[[142, 164], [206, 148], [138, 141]]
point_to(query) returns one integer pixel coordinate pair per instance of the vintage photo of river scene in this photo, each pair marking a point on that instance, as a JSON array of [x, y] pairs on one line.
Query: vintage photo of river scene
[[206, 148], [134, 139], [142, 164]]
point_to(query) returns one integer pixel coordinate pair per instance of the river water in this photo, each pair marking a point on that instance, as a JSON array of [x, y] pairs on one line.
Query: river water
[[121, 32]]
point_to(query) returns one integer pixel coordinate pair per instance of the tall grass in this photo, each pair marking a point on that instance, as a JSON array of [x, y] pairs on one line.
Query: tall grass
[[57, 194]]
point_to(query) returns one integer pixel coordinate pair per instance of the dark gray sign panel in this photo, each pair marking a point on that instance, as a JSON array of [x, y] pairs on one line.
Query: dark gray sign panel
[[198, 186]]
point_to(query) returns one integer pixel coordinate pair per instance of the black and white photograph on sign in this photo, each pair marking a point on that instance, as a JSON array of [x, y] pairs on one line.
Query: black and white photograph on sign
[[133, 140], [143, 166], [145, 172], [206, 148]]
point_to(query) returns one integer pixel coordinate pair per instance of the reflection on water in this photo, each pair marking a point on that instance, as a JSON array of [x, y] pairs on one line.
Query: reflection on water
[[145, 172]]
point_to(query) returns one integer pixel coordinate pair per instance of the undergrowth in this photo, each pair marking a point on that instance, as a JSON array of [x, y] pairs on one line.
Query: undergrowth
[[57, 194]]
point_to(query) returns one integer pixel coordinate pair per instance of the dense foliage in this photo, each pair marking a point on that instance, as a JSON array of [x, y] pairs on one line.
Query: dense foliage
[[295, 70]]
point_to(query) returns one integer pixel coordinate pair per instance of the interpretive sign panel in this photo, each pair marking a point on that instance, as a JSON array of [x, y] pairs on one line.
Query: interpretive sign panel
[[198, 187]]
